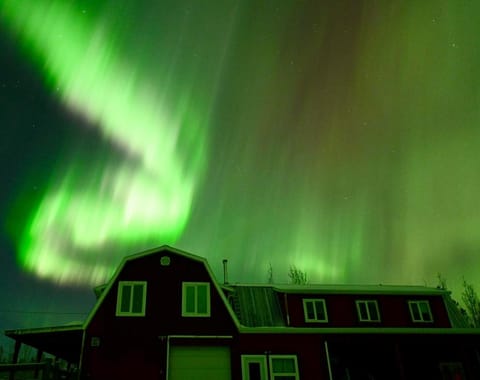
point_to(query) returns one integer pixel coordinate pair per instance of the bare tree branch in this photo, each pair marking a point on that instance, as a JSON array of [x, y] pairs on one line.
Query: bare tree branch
[[297, 276]]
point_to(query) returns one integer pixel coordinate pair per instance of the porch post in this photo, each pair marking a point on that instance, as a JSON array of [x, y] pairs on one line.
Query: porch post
[[38, 359], [16, 351]]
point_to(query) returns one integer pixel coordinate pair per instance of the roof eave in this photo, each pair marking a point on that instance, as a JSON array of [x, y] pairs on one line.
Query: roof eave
[[43, 330], [360, 330]]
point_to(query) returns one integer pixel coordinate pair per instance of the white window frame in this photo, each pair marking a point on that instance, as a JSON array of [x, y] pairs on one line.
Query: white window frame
[[417, 304], [369, 317], [195, 313], [273, 375], [246, 359], [129, 313], [314, 302]]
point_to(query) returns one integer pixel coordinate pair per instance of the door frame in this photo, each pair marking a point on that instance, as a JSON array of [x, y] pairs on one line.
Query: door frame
[[261, 359]]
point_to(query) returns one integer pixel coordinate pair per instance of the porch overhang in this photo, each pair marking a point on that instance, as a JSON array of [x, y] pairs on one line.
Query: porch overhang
[[61, 341]]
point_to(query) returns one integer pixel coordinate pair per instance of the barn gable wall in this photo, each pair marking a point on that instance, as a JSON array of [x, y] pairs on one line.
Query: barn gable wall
[[123, 342]]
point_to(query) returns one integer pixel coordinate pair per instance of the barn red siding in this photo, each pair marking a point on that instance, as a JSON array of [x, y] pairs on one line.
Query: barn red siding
[[383, 356], [342, 310], [396, 348], [139, 339], [309, 349], [136, 347]]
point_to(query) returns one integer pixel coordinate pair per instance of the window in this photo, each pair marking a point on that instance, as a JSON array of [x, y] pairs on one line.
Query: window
[[254, 367], [315, 310], [196, 299], [420, 311], [368, 311], [283, 367], [165, 261], [131, 298]]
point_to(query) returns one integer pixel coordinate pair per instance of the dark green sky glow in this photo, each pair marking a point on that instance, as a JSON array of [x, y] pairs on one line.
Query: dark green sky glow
[[339, 136]]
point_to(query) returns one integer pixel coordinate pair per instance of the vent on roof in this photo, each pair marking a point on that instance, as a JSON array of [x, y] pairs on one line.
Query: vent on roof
[[225, 273], [165, 261]]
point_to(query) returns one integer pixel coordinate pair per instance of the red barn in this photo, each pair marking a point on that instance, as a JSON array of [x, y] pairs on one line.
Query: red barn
[[163, 315]]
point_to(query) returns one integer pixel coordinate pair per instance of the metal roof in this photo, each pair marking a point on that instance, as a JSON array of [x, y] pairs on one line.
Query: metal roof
[[257, 306], [348, 289], [62, 341]]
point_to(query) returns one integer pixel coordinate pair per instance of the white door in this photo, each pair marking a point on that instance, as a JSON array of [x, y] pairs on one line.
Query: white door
[[199, 363], [254, 367]]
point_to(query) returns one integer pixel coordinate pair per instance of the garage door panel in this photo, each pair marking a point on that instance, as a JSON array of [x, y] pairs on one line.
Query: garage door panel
[[199, 363]]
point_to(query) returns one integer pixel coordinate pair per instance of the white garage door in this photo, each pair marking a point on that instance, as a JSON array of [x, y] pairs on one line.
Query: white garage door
[[199, 363]]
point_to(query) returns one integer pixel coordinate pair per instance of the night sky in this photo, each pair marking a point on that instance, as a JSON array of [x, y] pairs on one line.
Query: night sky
[[342, 137]]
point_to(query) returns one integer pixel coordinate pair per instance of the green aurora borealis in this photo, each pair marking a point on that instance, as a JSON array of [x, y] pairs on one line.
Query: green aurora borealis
[[339, 136], [144, 197]]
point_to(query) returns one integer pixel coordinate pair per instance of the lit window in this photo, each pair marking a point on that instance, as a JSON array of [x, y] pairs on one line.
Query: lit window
[[368, 311], [315, 310], [283, 367], [420, 311], [196, 299], [131, 298]]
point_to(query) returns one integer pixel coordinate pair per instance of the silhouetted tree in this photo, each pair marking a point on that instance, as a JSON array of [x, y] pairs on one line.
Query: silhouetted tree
[[442, 282], [270, 273], [297, 276], [470, 300], [472, 303]]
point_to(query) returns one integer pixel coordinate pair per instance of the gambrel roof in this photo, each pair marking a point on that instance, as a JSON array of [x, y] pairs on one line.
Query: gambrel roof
[[103, 290]]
